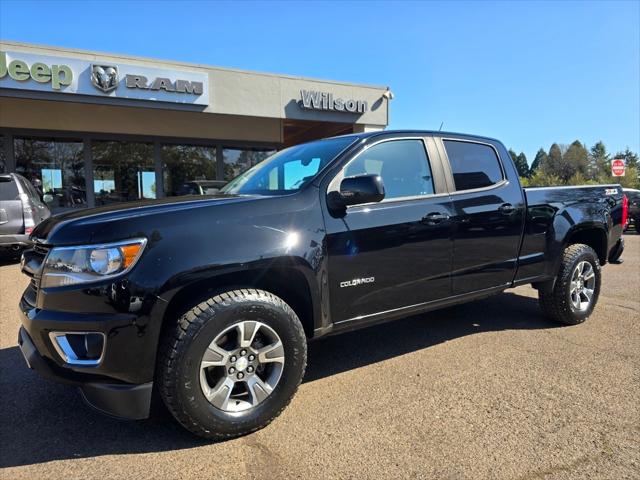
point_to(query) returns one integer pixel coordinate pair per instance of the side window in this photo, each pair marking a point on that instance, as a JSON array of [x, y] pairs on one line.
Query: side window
[[402, 164], [473, 165], [8, 188]]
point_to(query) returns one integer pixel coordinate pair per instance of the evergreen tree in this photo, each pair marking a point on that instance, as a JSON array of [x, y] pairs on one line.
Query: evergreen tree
[[541, 158], [520, 162], [522, 165], [553, 164], [574, 161], [598, 161]]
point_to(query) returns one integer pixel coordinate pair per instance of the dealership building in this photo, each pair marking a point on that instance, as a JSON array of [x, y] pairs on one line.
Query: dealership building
[[90, 129]]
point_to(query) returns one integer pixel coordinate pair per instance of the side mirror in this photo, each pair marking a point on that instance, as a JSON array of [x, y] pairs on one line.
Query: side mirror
[[47, 198], [361, 189]]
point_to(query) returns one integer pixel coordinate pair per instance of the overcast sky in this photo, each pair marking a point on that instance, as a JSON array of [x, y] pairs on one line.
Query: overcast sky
[[527, 73]]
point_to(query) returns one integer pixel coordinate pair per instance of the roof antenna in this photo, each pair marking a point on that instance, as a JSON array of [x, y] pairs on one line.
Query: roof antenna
[[441, 124]]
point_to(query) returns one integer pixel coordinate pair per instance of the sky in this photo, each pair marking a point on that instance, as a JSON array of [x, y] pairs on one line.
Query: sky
[[528, 73]]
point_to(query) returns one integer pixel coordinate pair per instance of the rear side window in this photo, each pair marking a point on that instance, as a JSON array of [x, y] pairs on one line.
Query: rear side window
[[473, 165], [8, 189], [402, 164]]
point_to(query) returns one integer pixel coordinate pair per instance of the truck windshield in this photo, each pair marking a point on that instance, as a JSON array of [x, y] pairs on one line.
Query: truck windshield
[[288, 170]]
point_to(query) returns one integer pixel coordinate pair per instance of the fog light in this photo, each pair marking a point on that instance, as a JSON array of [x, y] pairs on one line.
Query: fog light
[[79, 348]]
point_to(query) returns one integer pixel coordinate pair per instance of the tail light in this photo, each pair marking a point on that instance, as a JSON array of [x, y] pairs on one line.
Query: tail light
[[625, 210], [28, 213]]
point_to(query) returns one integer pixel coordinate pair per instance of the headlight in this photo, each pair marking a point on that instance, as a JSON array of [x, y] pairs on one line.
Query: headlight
[[73, 265]]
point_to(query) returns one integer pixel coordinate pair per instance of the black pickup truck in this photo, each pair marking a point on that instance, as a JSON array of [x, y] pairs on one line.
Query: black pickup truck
[[210, 301]]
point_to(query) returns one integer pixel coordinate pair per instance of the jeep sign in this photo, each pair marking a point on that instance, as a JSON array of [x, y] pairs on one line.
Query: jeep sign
[[26, 71]]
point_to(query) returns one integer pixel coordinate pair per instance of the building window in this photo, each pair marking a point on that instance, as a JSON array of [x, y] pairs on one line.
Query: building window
[[122, 171], [237, 161], [56, 170], [3, 155], [189, 169]]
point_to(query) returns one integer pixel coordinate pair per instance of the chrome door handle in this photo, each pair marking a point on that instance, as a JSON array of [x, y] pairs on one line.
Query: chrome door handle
[[434, 218], [507, 209]]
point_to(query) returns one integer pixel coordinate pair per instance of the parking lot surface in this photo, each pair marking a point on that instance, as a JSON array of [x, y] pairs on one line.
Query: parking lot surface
[[485, 390]]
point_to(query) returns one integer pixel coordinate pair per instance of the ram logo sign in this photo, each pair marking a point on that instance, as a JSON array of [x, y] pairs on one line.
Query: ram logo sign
[[104, 77], [109, 80]]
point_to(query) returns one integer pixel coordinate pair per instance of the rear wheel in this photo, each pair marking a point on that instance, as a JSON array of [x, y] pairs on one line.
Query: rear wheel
[[576, 289], [232, 363]]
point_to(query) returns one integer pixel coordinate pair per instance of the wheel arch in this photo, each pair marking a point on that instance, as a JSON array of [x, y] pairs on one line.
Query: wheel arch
[[593, 236], [291, 283]]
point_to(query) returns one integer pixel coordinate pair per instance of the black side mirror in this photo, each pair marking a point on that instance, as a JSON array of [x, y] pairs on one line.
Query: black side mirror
[[362, 189]]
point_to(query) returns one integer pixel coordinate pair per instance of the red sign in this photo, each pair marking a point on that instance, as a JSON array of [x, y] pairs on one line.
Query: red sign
[[617, 167]]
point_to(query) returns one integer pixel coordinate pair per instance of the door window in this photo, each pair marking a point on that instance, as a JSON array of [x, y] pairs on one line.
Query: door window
[[402, 164], [473, 165]]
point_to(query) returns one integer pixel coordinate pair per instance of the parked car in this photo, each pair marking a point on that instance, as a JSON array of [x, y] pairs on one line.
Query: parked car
[[212, 301], [201, 187], [21, 209], [633, 197]]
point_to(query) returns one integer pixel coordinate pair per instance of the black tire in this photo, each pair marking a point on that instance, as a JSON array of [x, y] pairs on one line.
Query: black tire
[[556, 302], [183, 347]]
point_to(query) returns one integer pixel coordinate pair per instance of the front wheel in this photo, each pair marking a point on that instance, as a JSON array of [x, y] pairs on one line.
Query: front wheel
[[232, 363], [576, 289]]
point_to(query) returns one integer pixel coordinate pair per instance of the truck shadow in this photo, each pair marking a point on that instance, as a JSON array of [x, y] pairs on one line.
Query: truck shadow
[[42, 421]]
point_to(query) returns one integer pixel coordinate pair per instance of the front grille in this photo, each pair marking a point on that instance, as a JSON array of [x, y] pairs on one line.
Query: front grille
[[32, 262], [41, 250]]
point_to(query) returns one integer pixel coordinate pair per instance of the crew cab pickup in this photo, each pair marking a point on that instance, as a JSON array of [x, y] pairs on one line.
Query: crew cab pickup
[[210, 301]]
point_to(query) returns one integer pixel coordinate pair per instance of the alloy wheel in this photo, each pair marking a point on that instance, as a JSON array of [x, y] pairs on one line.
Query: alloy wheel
[[582, 286], [242, 366]]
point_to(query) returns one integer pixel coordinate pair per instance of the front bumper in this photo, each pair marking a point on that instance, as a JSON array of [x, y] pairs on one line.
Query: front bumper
[[131, 402], [107, 394], [14, 240]]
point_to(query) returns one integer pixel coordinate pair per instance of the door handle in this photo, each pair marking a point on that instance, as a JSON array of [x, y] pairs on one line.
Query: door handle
[[507, 209], [434, 218]]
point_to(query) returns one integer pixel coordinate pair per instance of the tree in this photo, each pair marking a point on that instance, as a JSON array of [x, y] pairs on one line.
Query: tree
[[598, 161], [553, 164], [541, 158], [575, 160], [521, 163]]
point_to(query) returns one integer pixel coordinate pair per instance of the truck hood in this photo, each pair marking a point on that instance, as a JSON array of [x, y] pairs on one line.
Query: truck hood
[[80, 225]]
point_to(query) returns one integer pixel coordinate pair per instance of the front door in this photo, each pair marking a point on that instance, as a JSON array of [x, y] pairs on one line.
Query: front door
[[396, 253]]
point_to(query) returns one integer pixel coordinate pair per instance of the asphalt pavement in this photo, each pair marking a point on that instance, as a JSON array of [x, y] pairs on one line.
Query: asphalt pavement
[[487, 390]]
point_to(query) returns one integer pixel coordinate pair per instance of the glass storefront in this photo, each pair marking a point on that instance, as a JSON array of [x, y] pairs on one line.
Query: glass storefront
[[55, 168], [122, 171], [183, 166], [3, 155], [238, 160]]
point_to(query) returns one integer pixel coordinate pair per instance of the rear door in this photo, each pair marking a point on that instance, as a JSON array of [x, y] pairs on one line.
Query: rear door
[[395, 253], [488, 219], [10, 206]]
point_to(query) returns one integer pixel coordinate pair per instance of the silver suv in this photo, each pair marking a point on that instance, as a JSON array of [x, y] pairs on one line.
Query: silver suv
[[21, 209]]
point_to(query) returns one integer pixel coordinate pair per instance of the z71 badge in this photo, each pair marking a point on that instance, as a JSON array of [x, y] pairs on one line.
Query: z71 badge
[[357, 281]]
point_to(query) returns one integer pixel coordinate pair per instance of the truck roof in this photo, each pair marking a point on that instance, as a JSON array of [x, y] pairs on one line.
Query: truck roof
[[418, 132]]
